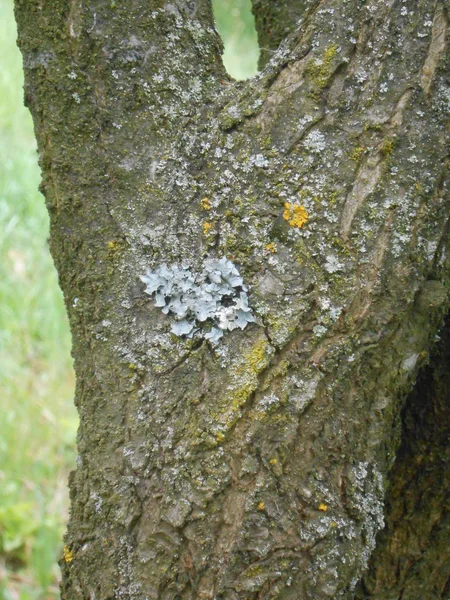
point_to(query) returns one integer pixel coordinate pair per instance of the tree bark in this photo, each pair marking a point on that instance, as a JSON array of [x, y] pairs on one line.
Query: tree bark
[[255, 468]]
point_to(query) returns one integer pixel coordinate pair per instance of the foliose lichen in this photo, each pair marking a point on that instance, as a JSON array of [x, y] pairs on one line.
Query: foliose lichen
[[205, 304]]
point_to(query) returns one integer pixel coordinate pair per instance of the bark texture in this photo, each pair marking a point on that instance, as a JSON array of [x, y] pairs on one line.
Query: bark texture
[[255, 469]]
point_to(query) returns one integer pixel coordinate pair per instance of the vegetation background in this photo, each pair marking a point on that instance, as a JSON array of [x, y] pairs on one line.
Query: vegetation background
[[38, 419]]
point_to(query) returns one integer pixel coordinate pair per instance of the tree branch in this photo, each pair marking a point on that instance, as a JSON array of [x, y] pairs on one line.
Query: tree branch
[[98, 72]]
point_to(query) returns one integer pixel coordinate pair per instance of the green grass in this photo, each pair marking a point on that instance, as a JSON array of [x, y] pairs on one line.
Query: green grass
[[38, 420]]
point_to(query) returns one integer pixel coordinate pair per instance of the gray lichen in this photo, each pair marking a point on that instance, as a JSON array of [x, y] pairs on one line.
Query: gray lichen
[[205, 304]]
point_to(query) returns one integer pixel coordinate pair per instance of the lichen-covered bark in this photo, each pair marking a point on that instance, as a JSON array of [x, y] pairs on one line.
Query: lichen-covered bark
[[255, 468]]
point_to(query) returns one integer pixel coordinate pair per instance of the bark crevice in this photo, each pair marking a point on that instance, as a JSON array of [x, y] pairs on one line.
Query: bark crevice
[[411, 559]]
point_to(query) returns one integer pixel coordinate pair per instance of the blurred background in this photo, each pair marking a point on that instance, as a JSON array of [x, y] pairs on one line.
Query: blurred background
[[38, 420]]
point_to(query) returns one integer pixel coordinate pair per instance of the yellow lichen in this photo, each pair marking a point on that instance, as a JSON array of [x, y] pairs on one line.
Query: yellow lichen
[[261, 506], [257, 357], [323, 507], [272, 247], [220, 437], [267, 416], [273, 461], [205, 204], [295, 214], [228, 410], [113, 248], [68, 554], [207, 227]]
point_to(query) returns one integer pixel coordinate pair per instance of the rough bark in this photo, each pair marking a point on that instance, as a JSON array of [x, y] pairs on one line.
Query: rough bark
[[255, 469]]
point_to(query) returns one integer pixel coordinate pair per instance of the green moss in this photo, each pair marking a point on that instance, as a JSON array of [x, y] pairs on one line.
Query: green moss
[[387, 147], [372, 127], [332, 198], [113, 248], [357, 152], [267, 142], [319, 71], [253, 571]]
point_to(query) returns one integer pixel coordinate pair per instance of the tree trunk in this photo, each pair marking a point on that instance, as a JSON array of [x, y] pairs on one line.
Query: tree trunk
[[411, 558], [254, 467]]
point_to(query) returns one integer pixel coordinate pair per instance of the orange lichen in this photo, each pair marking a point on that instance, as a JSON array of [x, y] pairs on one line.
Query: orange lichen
[[295, 214], [271, 248]]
